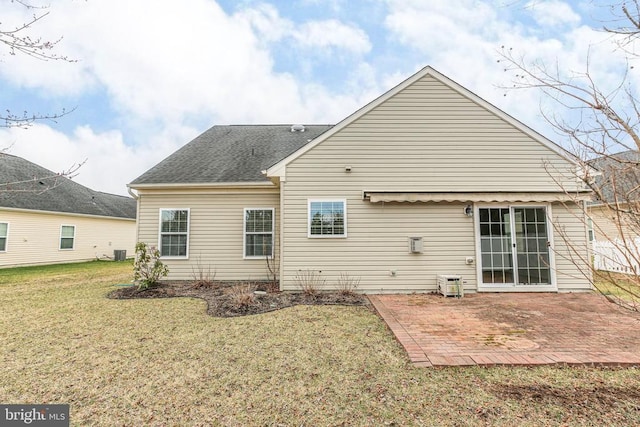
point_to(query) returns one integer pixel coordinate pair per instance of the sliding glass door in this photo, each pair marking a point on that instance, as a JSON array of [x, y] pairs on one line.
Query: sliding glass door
[[514, 246]]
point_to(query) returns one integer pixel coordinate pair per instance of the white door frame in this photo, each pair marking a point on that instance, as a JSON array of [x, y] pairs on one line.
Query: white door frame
[[513, 287]]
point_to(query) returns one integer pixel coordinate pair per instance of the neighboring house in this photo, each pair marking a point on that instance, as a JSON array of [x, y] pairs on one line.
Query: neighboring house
[[46, 218], [426, 180], [615, 210]]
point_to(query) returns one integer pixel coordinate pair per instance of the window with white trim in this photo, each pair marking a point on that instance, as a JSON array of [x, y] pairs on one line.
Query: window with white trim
[[4, 234], [327, 218], [67, 237], [174, 233], [258, 232]]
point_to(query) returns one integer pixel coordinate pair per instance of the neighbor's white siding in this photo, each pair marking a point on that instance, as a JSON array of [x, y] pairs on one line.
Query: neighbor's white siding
[[216, 230], [426, 138], [34, 237], [609, 225]]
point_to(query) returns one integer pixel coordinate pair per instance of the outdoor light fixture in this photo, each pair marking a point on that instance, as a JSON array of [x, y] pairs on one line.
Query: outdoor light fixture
[[468, 210]]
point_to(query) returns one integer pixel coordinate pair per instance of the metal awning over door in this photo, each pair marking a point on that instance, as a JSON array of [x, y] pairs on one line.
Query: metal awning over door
[[473, 197]]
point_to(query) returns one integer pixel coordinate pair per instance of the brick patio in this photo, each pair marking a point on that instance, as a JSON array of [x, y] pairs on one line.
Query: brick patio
[[512, 329]]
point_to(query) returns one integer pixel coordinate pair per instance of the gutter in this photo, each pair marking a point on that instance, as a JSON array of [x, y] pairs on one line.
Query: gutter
[[134, 195], [213, 185]]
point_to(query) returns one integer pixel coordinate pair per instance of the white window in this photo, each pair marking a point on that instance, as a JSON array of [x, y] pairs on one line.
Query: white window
[[327, 218], [67, 237], [258, 232], [4, 234], [174, 233]]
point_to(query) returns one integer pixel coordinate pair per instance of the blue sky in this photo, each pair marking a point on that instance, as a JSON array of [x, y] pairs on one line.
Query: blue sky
[[153, 74]]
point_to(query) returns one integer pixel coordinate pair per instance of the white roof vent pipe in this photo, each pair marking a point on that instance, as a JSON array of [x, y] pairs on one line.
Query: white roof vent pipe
[[297, 128]]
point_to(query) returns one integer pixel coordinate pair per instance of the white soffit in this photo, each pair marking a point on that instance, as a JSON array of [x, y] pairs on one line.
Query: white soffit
[[413, 197]]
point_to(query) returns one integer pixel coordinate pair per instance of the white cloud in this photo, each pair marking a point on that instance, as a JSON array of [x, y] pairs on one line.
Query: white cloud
[[167, 67], [329, 34], [463, 43], [169, 61], [553, 13], [267, 22], [109, 162], [54, 77], [333, 34]]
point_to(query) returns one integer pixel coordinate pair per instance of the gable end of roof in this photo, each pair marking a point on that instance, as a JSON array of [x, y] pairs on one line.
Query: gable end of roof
[[278, 169]]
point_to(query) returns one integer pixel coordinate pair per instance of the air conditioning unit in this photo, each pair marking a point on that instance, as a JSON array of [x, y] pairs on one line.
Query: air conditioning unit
[[450, 285]]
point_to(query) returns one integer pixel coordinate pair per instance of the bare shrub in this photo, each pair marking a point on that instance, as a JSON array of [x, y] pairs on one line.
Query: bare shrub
[[310, 281], [203, 276], [347, 284], [242, 296], [273, 273]]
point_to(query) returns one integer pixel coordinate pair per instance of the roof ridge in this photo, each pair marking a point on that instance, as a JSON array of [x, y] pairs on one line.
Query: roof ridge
[[274, 124]]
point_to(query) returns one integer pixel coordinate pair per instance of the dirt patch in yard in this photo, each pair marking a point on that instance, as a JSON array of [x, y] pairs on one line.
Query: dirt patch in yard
[[607, 400], [232, 299]]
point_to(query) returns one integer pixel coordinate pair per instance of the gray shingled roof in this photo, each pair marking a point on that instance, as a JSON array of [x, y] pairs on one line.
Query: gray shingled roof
[[236, 153], [25, 185], [620, 177]]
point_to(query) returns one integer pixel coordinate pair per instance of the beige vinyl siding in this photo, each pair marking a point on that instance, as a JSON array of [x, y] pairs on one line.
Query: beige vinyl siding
[[34, 237], [426, 138], [376, 250], [441, 141], [572, 256], [215, 232]]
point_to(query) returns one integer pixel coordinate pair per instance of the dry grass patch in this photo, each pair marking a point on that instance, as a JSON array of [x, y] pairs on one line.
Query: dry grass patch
[[619, 288], [166, 362]]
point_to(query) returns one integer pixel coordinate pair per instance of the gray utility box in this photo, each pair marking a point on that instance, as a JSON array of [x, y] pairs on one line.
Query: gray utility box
[[119, 255]]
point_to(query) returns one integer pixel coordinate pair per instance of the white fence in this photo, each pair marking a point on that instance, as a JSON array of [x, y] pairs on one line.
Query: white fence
[[615, 257]]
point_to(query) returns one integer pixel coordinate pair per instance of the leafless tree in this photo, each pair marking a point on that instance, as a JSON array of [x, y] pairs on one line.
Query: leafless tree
[[20, 39], [39, 183], [601, 122]]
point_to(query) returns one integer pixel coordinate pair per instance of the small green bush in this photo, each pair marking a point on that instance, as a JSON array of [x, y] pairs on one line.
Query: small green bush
[[147, 267]]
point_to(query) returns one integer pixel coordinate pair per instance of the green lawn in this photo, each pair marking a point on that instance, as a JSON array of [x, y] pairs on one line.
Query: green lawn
[[165, 362]]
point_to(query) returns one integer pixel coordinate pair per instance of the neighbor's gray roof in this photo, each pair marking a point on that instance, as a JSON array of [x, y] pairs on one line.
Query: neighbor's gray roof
[[234, 153], [25, 185], [619, 177]]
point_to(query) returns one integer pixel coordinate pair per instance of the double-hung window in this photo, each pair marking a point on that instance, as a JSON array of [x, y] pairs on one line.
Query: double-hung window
[[4, 234], [174, 233], [327, 218], [258, 232], [67, 237]]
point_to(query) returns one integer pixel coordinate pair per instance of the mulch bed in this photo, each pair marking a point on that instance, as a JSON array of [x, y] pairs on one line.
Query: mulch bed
[[232, 299]]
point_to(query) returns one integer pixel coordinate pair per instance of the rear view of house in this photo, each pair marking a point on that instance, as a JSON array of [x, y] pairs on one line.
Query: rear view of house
[[428, 181], [46, 218]]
